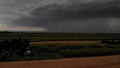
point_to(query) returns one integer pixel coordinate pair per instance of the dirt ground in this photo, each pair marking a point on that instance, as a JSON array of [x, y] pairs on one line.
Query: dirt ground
[[65, 42], [85, 62]]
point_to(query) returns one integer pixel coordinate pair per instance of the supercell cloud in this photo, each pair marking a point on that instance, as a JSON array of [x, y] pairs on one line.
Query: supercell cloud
[[92, 16]]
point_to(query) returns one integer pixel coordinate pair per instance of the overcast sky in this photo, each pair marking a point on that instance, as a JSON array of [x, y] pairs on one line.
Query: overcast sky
[[92, 16]]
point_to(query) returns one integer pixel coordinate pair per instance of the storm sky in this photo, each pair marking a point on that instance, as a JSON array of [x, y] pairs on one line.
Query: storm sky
[[91, 16]]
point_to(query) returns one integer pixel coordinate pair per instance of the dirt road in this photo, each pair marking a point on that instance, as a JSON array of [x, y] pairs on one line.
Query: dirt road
[[88, 62], [65, 42]]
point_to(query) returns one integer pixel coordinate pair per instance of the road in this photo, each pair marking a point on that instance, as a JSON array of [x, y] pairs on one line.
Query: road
[[65, 42], [84, 62]]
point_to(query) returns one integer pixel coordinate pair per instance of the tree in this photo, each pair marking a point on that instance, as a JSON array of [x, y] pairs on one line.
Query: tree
[[14, 47]]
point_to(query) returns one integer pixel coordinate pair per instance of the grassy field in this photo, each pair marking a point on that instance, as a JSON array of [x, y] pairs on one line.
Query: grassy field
[[68, 45], [57, 51]]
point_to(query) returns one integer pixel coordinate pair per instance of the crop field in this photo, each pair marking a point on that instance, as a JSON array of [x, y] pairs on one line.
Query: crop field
[[58, 36]]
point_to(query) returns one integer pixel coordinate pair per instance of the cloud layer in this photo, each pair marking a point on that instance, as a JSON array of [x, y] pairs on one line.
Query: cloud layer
[[65, 15]]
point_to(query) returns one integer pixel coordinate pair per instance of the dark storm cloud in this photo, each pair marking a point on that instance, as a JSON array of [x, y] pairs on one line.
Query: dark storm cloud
[[74, 16]]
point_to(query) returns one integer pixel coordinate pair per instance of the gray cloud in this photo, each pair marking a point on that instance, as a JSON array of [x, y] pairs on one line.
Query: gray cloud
[[72, 16]]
